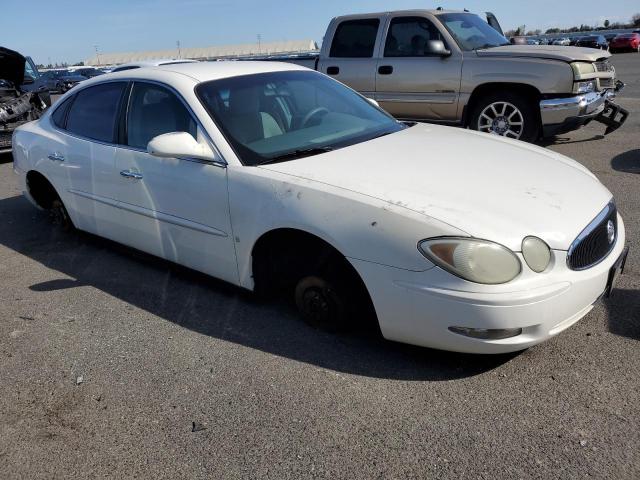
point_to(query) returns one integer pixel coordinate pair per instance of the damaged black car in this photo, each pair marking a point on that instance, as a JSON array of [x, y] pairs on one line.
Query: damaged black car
[[23, 95]]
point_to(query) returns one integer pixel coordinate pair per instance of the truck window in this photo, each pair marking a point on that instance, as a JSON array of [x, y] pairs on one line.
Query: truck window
[[408, 36], [355, 38]]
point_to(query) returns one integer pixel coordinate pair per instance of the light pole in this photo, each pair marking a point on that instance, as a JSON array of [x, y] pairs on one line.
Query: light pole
[[178, 45], [97, 54], [259, 43]]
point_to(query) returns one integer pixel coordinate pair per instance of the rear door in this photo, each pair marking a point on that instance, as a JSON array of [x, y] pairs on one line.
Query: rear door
[[411, 83], [82, 156], [351, 56], [175, 208]]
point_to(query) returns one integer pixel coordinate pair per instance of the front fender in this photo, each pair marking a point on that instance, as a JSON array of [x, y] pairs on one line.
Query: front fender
[[358, 226]]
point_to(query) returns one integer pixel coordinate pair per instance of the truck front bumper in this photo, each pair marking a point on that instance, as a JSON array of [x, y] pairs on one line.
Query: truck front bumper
[[561, 115]]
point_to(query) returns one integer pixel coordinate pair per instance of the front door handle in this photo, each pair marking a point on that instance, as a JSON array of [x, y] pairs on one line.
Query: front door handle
[[333, 70], [55, 157], [385, 70], [130, 174]]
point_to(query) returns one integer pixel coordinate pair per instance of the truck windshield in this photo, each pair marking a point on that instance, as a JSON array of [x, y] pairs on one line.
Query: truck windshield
[[471, 32], [280, 116]]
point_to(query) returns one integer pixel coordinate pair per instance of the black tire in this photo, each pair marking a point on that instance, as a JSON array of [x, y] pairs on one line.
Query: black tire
[[529, 131], [60, 216], [333, 298]]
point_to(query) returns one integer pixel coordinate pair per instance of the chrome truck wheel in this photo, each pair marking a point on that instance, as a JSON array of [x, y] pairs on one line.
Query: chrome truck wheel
[[501, 118], [507, 114]]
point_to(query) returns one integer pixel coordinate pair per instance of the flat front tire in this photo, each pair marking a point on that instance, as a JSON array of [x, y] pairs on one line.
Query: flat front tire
[[506, 114]]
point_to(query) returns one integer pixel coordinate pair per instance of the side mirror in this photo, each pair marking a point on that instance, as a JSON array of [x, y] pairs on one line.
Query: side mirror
[[373, 102], [179, 145], [437, 48]]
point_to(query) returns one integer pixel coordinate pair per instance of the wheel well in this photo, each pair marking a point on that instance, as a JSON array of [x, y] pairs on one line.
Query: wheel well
[[525, 90], [41, 189], [281, 257]]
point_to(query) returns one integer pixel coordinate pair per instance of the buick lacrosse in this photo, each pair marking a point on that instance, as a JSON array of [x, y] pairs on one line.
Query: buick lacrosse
[[283, 181]]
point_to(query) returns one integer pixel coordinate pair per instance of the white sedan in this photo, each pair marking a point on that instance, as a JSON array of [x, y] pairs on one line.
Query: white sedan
[[281, 180]]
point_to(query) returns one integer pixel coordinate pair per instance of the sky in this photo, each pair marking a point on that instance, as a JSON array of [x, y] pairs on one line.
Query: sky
[[69, 30]]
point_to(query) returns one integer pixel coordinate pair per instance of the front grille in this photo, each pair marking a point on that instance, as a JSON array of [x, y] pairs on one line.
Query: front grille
[[603, 66], [593, 244]]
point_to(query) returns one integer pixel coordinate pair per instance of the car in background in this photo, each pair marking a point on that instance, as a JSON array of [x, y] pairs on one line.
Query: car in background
[[564, 41], [593, 41], [573, 41], [88, 72], [23, 94], [61, 80], [152, 63], [625, 42], [610, 36]]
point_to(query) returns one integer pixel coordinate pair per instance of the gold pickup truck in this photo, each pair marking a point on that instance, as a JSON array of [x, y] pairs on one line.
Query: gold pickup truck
[[454, 67]]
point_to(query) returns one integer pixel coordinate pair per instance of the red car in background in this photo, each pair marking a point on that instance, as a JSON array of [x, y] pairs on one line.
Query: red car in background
[[624, 42]]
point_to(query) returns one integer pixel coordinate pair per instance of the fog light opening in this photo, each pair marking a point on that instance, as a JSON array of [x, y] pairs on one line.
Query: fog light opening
[[487, 333]]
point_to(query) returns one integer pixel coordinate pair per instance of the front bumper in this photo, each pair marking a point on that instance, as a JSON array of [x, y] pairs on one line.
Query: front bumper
[[419, 307], [561, 115]]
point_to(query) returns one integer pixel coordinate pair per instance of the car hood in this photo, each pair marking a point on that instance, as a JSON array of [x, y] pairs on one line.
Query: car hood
[[553, 52], [487, 186], [12, 66]]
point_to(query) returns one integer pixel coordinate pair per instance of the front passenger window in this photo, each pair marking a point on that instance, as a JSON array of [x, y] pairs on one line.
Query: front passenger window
[[154, 110], [408, 37]]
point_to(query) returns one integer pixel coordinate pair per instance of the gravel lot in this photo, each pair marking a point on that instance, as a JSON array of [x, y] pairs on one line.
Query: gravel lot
[[109, 358]]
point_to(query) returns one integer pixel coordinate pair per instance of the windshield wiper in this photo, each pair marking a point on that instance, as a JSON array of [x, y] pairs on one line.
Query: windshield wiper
[[302, 152]]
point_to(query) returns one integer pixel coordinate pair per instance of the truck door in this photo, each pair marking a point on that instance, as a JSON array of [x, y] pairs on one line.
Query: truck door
[[415, 79], [350, 58]]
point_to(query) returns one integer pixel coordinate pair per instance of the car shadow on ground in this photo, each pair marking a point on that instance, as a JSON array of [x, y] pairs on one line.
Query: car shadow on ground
[[624, 313], [557, 140], [214, 308], [628, 162], [6, 157]]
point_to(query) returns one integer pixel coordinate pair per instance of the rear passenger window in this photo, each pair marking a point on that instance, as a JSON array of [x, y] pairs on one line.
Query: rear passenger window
[[408, 37], [154, 110], [94, 112], [355, 39], [60, 113]]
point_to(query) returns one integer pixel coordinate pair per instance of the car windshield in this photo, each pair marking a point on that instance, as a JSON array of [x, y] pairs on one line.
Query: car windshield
[[471, 32], [279, 116]]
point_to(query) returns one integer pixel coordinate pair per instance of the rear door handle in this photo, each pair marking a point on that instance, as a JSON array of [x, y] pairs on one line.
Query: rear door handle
[[385, 70], [333, 70], [55, 157], [130, 174]]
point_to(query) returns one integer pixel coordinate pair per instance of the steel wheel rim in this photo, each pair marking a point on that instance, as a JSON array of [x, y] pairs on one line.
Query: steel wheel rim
[[502, 118]]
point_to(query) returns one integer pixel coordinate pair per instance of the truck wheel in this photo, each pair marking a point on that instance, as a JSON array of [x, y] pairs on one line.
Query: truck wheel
[[506, 114]]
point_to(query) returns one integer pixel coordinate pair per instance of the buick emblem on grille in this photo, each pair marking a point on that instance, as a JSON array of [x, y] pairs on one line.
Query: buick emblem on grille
[[611, 232]]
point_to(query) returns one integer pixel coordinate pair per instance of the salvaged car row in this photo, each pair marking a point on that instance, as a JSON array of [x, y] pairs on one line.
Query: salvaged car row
[[283, 181]]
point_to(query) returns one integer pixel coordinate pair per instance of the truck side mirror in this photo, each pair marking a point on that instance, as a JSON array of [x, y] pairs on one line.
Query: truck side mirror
[[437, 48]]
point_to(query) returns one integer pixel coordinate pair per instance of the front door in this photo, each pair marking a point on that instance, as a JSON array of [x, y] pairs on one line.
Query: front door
[[412, 82], [173, 208]]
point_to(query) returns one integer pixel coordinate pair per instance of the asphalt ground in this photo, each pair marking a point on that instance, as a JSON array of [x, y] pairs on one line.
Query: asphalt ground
[[114, 364]]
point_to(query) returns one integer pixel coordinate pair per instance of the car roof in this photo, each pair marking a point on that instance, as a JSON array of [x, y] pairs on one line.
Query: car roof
[[205, 71], [156, 62]]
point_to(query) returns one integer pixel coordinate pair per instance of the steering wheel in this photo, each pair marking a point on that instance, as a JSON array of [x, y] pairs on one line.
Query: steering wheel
[[313, 113]]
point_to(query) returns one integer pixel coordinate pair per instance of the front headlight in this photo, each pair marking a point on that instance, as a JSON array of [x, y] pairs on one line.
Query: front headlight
[[585, 87], [475, 260], [581, 69], [536, 253]]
